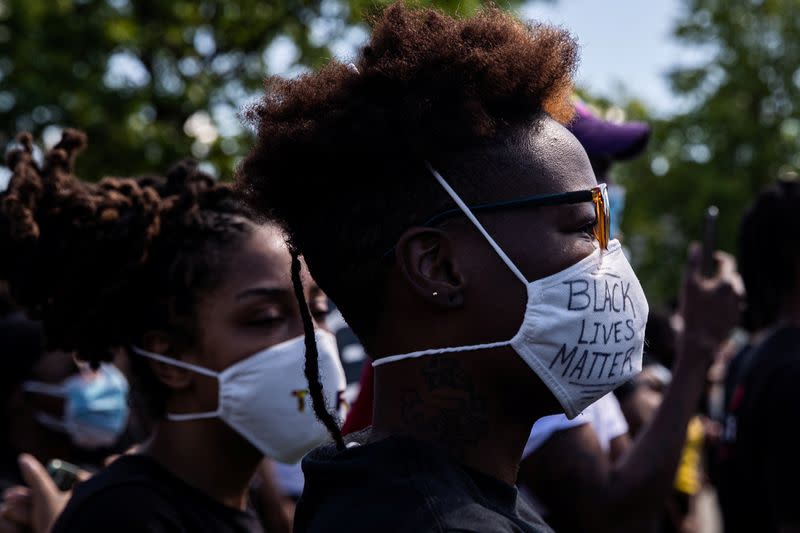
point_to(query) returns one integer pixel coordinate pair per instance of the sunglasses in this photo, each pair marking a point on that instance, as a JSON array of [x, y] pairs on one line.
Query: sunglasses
[[597, 195]]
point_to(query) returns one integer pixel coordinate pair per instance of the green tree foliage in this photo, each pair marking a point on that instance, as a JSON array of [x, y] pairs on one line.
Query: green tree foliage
[[741, 131], [152, 81]]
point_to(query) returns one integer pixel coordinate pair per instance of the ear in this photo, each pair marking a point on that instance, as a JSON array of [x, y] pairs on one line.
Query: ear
[[425, 258], [171, 376]]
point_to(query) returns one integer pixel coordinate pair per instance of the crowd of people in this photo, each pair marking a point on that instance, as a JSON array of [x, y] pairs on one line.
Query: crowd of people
[[168, 357]]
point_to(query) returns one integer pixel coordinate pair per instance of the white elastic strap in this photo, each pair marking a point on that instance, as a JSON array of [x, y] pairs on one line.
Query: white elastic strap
[[457, 199], [435, 351], [177, 417], [174, 362], [43, 388], [51, 421]]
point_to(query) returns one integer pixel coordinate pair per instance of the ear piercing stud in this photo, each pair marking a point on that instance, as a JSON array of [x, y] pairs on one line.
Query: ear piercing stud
[[435, 293]]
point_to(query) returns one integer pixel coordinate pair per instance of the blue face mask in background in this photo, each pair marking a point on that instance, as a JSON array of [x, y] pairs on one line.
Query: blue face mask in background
[[616, 200], [95, 406]]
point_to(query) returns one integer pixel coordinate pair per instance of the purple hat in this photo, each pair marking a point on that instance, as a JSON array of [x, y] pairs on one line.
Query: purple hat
[[606, 140]]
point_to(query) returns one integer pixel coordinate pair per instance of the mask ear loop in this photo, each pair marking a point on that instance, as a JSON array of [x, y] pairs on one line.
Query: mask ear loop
[[48, 389], [471, 216], [51, 422], [177, 417]]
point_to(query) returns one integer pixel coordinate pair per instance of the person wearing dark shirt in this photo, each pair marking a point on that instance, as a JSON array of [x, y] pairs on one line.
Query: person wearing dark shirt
[[211, 306], [136, 493], [460, 230], [45, 396], [758, 461], [418, 487]]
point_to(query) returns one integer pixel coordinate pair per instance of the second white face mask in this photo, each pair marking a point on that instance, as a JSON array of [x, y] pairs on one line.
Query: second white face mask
[[583, 328], [265, 396]]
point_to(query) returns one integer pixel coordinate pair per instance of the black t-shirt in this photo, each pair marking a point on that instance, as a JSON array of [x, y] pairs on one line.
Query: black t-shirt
[[400, 484], [135, 493], [761, 478]]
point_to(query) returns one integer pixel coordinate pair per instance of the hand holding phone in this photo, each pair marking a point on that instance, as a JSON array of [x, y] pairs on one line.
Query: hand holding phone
[[712, 292], [36, 505], [708, 265], [64, 474]]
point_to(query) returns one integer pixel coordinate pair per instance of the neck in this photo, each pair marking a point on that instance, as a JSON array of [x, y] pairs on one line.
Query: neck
[[207, 455], [437, 399]]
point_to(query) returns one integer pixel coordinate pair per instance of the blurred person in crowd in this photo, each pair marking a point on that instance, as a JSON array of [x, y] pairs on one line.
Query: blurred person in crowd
[[607, 143], [53, 407], [55, 411], [211, 304], [640, 399], [760, 465], [465, 209]]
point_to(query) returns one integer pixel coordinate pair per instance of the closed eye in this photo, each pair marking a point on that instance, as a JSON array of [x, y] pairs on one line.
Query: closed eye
[[265, 322]]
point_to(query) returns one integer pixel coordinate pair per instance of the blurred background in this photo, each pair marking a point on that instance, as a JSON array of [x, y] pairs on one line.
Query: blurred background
[[152, 81]]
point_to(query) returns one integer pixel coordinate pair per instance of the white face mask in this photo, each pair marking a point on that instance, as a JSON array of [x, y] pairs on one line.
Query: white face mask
[[265, 397], [583, 329]]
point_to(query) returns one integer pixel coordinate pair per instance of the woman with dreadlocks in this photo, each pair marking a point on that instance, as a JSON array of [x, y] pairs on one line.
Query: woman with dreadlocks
[[459, 228], [202, 295]]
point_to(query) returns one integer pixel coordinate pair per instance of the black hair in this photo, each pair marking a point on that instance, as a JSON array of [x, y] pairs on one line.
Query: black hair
[[312, 357], [769, 252], [101, 264]]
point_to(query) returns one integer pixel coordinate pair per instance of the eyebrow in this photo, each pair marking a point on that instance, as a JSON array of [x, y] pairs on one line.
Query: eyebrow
[[273, 292]]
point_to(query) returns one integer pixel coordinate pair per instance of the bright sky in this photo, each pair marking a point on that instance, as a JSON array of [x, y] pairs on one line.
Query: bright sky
[[625, 42]]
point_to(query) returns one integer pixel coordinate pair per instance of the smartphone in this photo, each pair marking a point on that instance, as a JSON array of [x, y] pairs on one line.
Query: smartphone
[[64, 474], [708, 266]]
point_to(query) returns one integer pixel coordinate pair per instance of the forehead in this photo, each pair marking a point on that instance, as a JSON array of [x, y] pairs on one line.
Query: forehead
[[263, 258], [541, 157], [549, 159]]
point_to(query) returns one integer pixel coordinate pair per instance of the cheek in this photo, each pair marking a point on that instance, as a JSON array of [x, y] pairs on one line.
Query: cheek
[[206, 393], [494, 298], [225, 344], [552, 252], [229, 347], [224, 340], [539, 245]]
